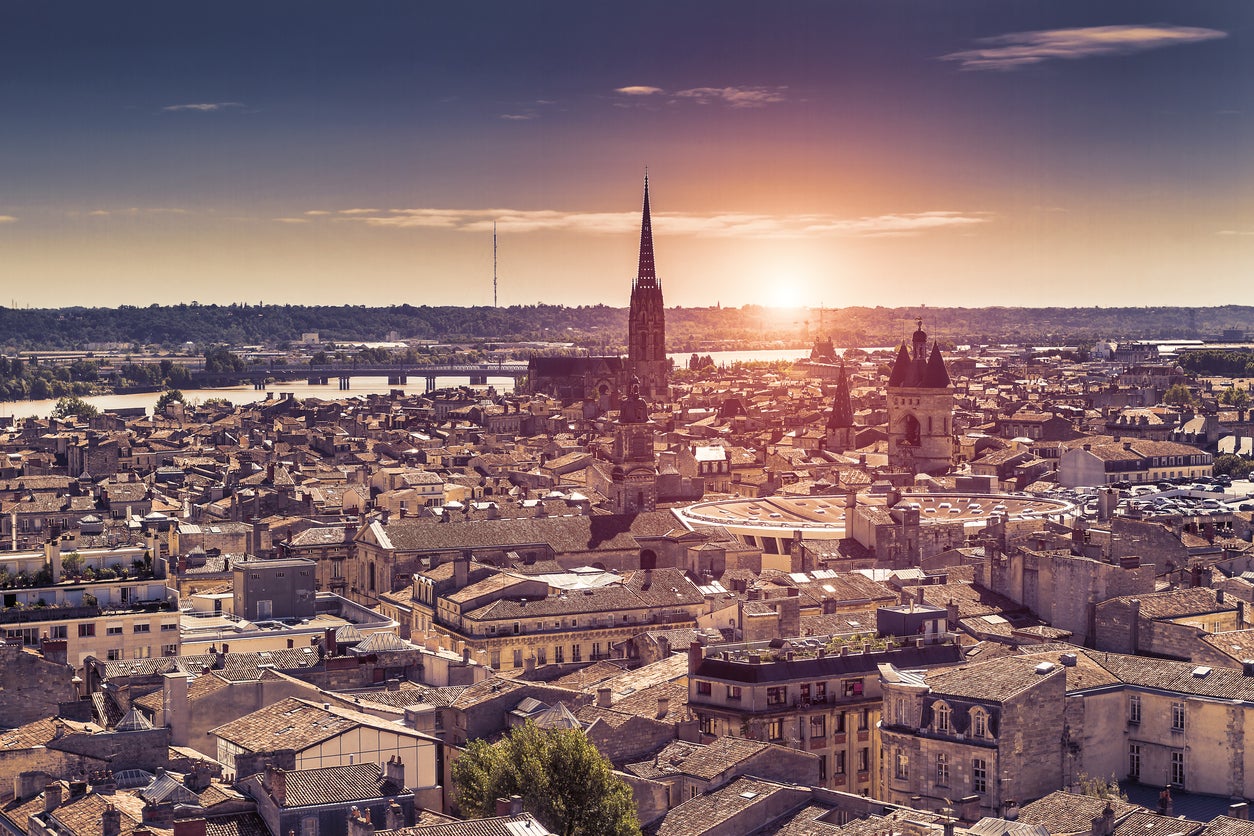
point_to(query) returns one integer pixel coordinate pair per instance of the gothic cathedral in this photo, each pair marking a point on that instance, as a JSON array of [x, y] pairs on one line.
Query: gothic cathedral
[[646, 325]]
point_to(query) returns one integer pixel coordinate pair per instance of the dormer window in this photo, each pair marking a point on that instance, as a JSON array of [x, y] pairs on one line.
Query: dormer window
[[944, 717], [979, 723]]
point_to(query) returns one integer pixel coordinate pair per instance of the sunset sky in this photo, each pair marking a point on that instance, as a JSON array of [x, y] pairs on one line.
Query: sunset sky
[[821, 152]]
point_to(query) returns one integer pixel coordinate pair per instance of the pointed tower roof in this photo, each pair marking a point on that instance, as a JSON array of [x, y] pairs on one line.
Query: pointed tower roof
[[646, 275], [842, 405], [936, 376], [901, 367]]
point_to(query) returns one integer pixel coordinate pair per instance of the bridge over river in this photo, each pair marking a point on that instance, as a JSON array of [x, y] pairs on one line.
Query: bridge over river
[[260, 376]]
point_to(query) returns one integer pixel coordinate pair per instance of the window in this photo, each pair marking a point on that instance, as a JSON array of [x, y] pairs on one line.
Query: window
[[115, 630], [1134, 708], [903, 765], [1134, 761], [942, 770], [169, 626], [822, 769], [704, 688], [517, 628], [838, 763], [142, 652], [559, 655], [943, 717], [85, 630], [805, 694], [309, 826], [143, 628], [169, 650], [776, 695], [708, 726], [820, 692], [542, 655], [979, 775], [818, 725], [901, 709], [576, 654], [733, 692], [518, 658], [851, 687], [113, 654], [979, 723], [1177, 716], [864, 759], [596, 650], [864, 719], [775, 729], [57, 631], [1177, 768], [839, 723], [495, 660]]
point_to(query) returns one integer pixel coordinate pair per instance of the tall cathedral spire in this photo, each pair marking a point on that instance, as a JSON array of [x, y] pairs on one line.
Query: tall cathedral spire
[[646, 275], [646, 320]]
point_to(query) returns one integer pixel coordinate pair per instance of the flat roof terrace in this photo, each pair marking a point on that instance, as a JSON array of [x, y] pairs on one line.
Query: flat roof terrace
[[759, 521]]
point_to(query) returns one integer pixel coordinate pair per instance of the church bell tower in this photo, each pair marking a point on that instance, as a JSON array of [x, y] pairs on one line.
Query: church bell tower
[[646, 325]]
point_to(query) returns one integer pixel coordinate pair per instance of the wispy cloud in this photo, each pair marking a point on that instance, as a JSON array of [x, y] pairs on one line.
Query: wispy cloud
[[134, 211], [203, 107], [740, 97], [519, 117], [721, 225], [291, 220], [1019, 49], [8, 219], [1244, 233], [639, 90]]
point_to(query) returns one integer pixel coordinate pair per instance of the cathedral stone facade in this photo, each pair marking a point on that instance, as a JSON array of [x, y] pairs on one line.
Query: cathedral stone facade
[[606, 379]]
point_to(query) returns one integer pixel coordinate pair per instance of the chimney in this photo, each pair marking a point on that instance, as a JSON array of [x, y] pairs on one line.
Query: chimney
[[111, 821], [394, 772], [1247, 667], [604, 697], [695, 655], [359, 823], [189, 827], [276, 784], [394, 818], [52, 796], [951, 615], [1239, 810], [663, 706], [175, 707]]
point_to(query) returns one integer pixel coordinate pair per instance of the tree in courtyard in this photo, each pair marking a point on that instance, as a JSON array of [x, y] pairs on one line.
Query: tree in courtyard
[[74, 405], [1178, 395], [563, 780]]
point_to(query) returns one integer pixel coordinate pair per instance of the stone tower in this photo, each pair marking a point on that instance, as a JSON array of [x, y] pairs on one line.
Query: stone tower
[[646, 324], [840, 430], [634, 475], [920, 409]]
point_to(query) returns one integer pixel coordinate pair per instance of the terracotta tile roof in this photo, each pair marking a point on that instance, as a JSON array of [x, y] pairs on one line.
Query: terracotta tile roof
[[1063, 812], [287, 724], [997, 680], [705, 812]]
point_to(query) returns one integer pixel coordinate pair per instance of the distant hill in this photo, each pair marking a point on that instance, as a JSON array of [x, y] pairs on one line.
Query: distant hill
[[599, 327]]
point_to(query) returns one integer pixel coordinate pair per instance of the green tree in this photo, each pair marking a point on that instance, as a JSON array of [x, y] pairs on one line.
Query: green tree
[[74, 405], [563, 780], [1095, 787], [1178, 395], [168, 397]]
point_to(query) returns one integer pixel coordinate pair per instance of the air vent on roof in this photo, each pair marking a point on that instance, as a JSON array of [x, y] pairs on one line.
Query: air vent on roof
[[748, 795], [1068, 660], [1201, 672], [1044, 667]]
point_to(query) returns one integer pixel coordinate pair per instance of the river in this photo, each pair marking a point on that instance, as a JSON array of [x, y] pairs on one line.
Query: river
[[246, 394]]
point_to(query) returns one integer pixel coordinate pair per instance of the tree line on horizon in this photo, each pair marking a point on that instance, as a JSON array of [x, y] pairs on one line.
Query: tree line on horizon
[[599, 327]]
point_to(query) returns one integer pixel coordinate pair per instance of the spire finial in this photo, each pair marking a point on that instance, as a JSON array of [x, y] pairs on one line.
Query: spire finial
[[646, 276]]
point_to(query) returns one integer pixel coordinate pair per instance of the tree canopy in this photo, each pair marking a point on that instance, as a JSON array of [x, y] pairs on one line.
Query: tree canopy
[[563, 780], [74, 405]]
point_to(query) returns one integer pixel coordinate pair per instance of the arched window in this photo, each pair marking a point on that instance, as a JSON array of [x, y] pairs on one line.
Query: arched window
[[944, 717], [979, 723]]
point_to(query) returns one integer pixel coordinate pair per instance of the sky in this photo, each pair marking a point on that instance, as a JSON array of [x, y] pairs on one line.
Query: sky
[[805, 152]]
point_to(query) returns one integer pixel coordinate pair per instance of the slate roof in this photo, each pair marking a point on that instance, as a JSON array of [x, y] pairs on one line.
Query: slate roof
[[1064, 812], [336, 785], [287, 724]]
